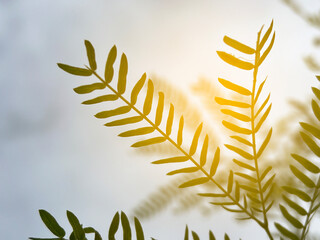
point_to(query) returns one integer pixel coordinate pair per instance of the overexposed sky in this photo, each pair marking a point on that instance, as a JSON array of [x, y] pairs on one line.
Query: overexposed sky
[[55, 155]]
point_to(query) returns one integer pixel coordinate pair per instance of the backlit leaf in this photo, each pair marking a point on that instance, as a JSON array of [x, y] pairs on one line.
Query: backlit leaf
[[204, 150], [244, 165], [236, 128], [234, 87], [315, 109], [238, 45], [114, 227], [104, 98], [239, 151], [137, 88], [159, 111], [194, 182], [286, 232], [123, 71], [265, 143], [311, 129], [259, 91], [242, 140], [172, 160], [184, 170], [139, 230], [137, 132], [306, 163], [267, 51], [266, 36], [262, 119], [89, 88], [295, 206], [195, 236], [91, 55], [75, 70], [180, 131], [262, 106], [109, 71], [76, 226], [230, 182], [113, 112], [316, 92], [148, 142], [215, 162], [125, 227], [51, 223], [295, 222], [303, 178], [195, 140], [170, 120], [311, 144], [124, 121], [228, 58], [223, 101], [302, 195], [236, 115], [148, 101]]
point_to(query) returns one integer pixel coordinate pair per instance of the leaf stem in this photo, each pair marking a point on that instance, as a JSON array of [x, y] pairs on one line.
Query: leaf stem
[[254, 145]]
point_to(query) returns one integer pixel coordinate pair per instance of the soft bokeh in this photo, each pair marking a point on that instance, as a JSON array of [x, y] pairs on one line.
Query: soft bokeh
[[55, 155]]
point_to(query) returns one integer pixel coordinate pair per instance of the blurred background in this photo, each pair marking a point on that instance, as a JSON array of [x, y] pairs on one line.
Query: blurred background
[[55, 155]]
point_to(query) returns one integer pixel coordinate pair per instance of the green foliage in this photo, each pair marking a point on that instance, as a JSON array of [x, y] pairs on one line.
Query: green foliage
[[248, 188]]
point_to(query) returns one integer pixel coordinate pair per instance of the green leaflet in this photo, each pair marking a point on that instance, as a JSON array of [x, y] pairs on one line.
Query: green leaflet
[[266, 52], [139, 230], [137, 88], [186, 233], [228, 58], [239, 151], [238, 45], [91, 55], [315, 109], [124, 121], [265, 143], [97, 235], [170, 120], [180, 131], [311, 129], [259, 91], [125, 227], [89, 88], [150, 141], [234, 87], [159, 109], [242, 140], [213, 195], [248, 188], [262, 119], [76, 226], [51, 223], [265, 172], [236, 115], [184, 170], [104, 98], [266, 36], [316, 92], [306, 163], [75, 70], [226, 237], [286, 232], [109, 71], [295, 222], [123, 71], [211, 236], [114, 227], [236, 128], [113, 112], [204, 150], [137, 132], [223, 101], [303, 178], [268, 183], [148, 101], [195, 236], [194, 182], [215, 162], [244, 165], [294, 206], [195, 140], [262, 106], [311, 144], [302, 195], [172, 160], [246, 176]]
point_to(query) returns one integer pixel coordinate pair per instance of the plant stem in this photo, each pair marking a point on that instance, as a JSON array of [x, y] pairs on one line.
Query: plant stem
[[181, 150], [254, 147], [309, 214]]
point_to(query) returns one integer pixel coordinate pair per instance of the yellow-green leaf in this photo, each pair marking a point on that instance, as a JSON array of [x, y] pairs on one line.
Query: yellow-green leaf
[[91, 55], [204, 150], [137, 88], [303, 178], [113, 112], [137, 132], [234, 87], [195, 140], [311, 144], [172, 160], [194, 182], [238, 45], [170, 120], [236, 128], [148, 100], [109, 71], [104, 98], [124, 121], [302, 195], [150, 141], [236, 115], [159, 111], [266, 36], [123, 71], [184, 170], [75, 70], [215, 162], [180, 131], [89, 88], [227, 102], [228, 58], [306, 163], [114, 227], [51, 223]]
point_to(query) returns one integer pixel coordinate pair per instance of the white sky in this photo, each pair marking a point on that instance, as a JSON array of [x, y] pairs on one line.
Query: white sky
[[55, 155]]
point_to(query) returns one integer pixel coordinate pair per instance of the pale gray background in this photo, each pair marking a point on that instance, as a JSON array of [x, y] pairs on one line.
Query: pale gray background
[[55, 155]]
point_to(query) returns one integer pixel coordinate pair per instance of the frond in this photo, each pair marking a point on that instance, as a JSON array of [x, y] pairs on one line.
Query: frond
[[306, 174]]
